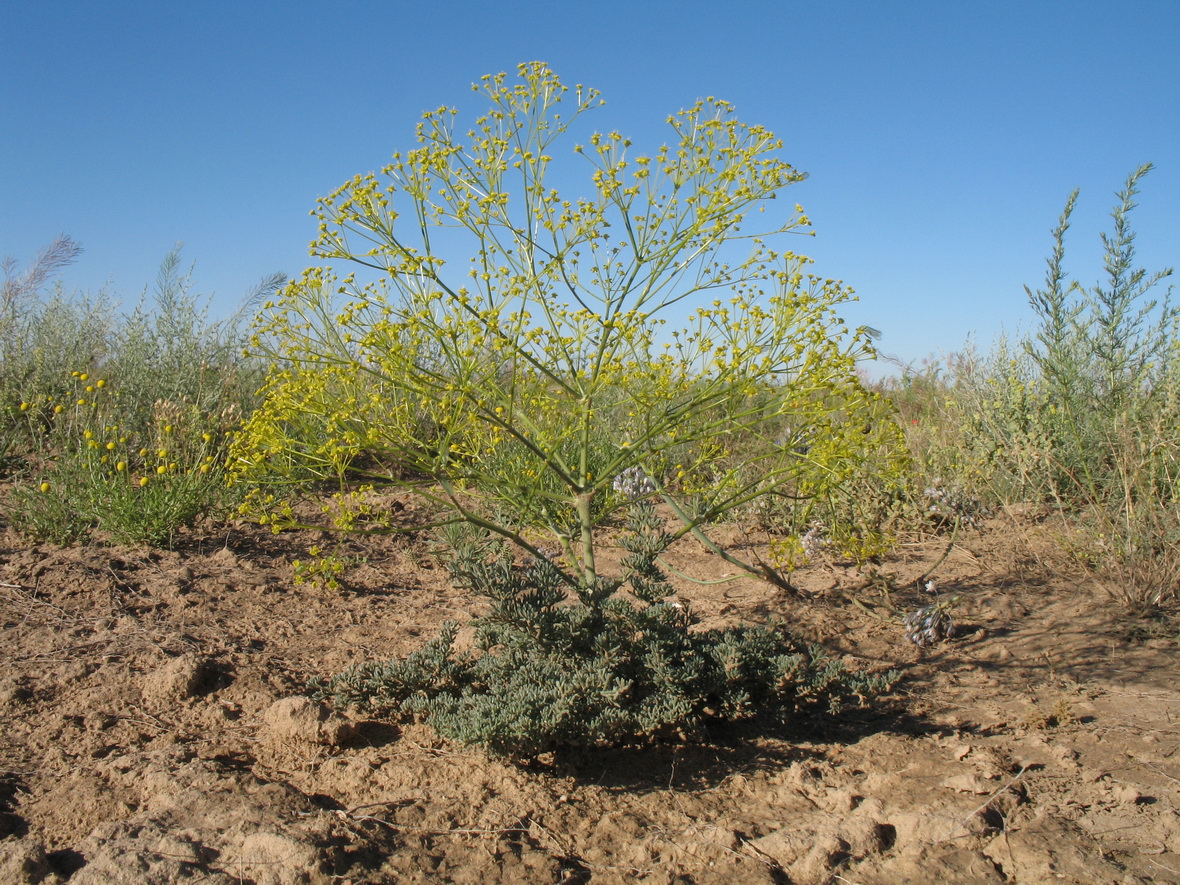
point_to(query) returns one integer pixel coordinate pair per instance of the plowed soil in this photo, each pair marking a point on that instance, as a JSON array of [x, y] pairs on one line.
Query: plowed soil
[[154, 728]]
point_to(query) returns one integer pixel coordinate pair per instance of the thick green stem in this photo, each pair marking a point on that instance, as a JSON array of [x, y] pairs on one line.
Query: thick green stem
[[586, 528]]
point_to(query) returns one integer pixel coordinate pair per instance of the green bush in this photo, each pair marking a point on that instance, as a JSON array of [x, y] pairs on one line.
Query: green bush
[[627, 668], [1083, 414], [116, 423], [136, 486]]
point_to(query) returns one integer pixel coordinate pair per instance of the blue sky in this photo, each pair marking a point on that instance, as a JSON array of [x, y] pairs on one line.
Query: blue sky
[[941, 139]]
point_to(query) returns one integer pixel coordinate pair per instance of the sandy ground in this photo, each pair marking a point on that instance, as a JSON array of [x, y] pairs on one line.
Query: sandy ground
[[153, 729]]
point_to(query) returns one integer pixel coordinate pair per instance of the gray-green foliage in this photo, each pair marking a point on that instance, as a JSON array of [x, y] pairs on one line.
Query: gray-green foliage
[[45, 333], [1102, 352], [1085, 411], [609, 668], [119, 421], [168, 351]]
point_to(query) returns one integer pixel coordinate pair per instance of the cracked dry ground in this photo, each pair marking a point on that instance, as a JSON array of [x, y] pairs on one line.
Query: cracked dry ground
[[152, 730]]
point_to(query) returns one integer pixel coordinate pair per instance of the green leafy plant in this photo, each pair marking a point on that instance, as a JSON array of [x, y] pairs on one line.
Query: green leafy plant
[[1084, 413], [322, 568], [543, 675], [136, 487]]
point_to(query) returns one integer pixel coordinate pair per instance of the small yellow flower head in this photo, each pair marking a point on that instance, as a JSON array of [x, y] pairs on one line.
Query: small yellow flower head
[[167, 428], [143, 453], [162, 469], [57, 410], [24, 407], [100, 383], [204, 468], [86, 434], [81, 402], [207, 437], [82, 376], [45, 487], [163, 453], [90, 388], [121, 466], [143, 481], [111, 446]]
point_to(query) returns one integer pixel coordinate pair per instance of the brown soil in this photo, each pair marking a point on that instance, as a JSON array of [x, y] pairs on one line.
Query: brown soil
[[153, 730]]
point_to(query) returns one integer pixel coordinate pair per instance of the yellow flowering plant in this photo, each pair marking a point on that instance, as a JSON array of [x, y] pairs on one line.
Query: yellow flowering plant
[[537, 389], [136, 486]]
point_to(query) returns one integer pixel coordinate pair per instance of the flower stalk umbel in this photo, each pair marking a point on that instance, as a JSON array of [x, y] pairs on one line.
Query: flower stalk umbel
[[535, 391], [930, 624]]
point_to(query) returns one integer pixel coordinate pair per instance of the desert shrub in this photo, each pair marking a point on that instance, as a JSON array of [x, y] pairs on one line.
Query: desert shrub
[[536, 396], [169, 351], [132, 441], [543, 674], [527, 390], [44, 332], [1083, 412], [135, 485]]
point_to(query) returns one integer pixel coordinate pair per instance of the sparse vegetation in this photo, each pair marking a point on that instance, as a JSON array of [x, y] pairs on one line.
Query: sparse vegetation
[[1081, 415], [116, 424], [541, 403]]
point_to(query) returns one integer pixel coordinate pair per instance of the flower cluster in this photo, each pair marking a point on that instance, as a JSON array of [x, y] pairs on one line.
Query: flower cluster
[[948, 504], [929, 625], [813, 541], [634, 484]]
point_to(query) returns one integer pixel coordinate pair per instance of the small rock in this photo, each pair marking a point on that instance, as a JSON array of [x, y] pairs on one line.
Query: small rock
[[179, 849], [968, 783], [226, 558], [866, 836], [300, 719], [1126, 794], [841, 801], [1067, 756], [178, 680], [815, 868], [275, 859]]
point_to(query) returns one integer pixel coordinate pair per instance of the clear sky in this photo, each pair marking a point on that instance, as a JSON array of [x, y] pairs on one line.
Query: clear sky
[[941, 138]]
